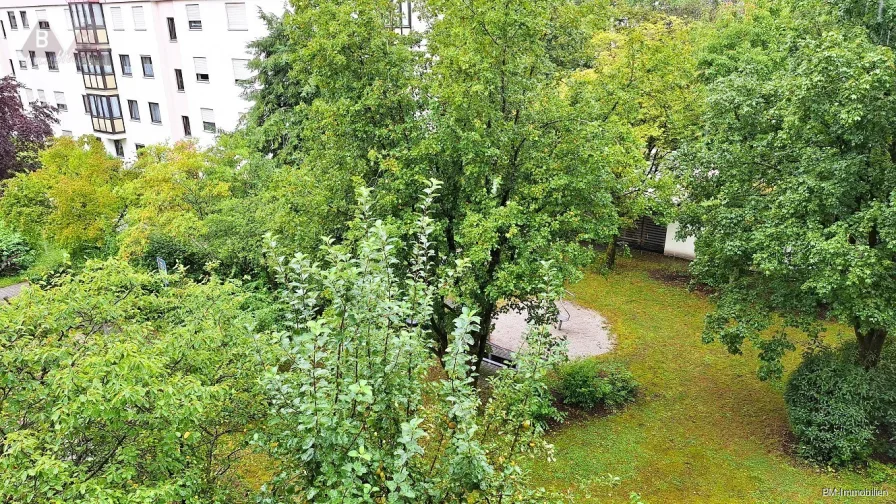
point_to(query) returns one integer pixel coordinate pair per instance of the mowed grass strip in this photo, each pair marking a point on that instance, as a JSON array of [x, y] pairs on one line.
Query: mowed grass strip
[[705, 428]]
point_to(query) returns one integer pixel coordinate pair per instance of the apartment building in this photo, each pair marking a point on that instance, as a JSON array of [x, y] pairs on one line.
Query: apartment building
[[134, 73]]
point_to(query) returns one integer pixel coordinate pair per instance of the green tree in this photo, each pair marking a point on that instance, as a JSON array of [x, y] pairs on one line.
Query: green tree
[[526, 172], [73, 200], [121, 386], [347, 102], [793, 181], [361, 410], [644, 87]]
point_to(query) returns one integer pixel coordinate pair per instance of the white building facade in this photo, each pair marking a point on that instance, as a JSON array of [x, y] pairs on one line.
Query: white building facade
[[134, 73]]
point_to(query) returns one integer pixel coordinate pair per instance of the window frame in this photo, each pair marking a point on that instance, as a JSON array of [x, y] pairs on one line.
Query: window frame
[[152, 71], [179, 80], [134, 106], [130, 68], [185, 122], [24, 15], [13, 22], [51, 57], [152, 119], [32, 56], [172, 30]]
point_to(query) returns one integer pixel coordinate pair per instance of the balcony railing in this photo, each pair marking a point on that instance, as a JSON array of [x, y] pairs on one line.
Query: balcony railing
[[89, 23], [96, 69]]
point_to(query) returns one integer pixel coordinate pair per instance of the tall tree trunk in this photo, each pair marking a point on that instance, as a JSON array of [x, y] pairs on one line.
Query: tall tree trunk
[[871, 343], [610, 258]]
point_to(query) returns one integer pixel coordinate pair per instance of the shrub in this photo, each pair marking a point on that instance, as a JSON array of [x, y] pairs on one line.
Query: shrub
[[175, 252], [829, 400], [15, 254], [589, 383]]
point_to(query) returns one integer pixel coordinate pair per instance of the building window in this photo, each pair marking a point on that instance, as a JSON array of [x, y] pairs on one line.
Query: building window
[[236, 16], [60, 100], [125, 64], [119, 148], [208, 120], [86, 103], [88, 23], [24, 19], [106, 113], [13, 24], [52, 64], [201, 65], [241, 74], [139, 18], [400, 18], [172, 32], [42, 23], [179, 78], [134, 109], [186, 122], [30, 94], [42, 96], [193, 19], [138, 147], [155, 114], [21, 56], [96, 69], [67, 133], [117, 18], [147, 66], [33, 57]]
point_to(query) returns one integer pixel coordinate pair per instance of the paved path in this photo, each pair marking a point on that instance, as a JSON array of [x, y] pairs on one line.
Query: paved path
[[586, 331], [11, 291]]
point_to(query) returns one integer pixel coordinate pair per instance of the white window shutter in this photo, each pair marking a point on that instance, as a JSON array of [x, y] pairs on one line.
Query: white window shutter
[[30, 94], [41, 14], [139, 19], [201, 65], [117, 18], [41, 96], [236, 16], [208, 115], [21, 55], [68, 19], [193, 12], [241, 69], [67, 133], [60, 98]]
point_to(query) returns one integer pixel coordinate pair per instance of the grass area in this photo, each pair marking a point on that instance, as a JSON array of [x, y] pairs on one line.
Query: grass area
[[705, 429]]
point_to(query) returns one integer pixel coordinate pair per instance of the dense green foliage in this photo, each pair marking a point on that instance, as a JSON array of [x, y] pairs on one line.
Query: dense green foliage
[[355, 416], [343, 361], [122, 386], [74, 200], [840, 412], [592, 383], [15, 254], [793, 183]]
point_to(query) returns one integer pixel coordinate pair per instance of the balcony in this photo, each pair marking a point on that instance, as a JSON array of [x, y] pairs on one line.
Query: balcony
[[105, 113], [89, 23], [97, 71]]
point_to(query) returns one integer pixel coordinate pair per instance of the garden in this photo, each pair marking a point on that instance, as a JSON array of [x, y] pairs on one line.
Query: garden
[[312, 307]]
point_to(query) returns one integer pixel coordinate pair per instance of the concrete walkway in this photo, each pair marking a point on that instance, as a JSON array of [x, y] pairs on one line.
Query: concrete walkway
[[11, 291], [586, 331]]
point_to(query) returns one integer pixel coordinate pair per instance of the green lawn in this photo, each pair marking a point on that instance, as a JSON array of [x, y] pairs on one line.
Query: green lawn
[[705, 429]]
